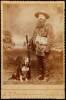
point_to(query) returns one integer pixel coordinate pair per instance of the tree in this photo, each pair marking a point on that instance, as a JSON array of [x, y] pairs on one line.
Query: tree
[[7, 41]]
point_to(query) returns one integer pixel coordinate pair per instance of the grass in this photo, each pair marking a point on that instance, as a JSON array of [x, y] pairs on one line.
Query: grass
[[54, 67]]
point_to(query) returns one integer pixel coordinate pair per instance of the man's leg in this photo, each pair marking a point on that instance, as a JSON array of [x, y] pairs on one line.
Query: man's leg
[[41, 64]]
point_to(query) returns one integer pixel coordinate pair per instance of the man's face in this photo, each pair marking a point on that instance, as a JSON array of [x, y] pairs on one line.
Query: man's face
[[41, 18], [41, 22]]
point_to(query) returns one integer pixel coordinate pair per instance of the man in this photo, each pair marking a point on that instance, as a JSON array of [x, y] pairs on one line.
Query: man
[[41, 40]]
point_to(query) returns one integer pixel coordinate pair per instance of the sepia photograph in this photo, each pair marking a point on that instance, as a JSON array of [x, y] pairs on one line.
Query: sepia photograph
[[32, 41]]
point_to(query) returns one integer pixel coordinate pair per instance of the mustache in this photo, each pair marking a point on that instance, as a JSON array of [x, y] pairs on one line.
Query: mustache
[[40, 23]]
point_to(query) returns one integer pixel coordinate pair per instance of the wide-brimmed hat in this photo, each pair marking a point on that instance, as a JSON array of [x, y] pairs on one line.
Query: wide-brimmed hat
[[43, 14]]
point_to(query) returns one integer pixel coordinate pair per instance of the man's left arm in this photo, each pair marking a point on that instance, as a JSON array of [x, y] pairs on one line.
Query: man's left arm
[[50, 36]]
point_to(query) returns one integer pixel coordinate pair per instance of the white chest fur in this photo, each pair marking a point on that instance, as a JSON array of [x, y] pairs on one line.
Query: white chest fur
[[24, 68]]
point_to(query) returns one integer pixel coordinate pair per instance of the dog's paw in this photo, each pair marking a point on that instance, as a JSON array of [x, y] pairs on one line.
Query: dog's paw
[[26, 79], [21, 80]]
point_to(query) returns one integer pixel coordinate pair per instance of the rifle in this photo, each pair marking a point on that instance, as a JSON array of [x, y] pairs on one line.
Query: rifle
[[28, 55]]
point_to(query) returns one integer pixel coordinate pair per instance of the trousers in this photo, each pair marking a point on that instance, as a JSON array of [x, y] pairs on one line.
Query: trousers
[[41, 64]]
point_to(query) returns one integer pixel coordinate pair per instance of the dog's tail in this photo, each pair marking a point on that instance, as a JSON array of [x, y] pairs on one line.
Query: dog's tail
[[10, 78]]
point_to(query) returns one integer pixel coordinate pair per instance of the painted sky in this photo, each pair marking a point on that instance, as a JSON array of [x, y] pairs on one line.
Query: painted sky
[[19, 20]]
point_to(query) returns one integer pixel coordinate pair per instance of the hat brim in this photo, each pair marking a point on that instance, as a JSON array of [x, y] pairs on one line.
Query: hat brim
[[42, 13]]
